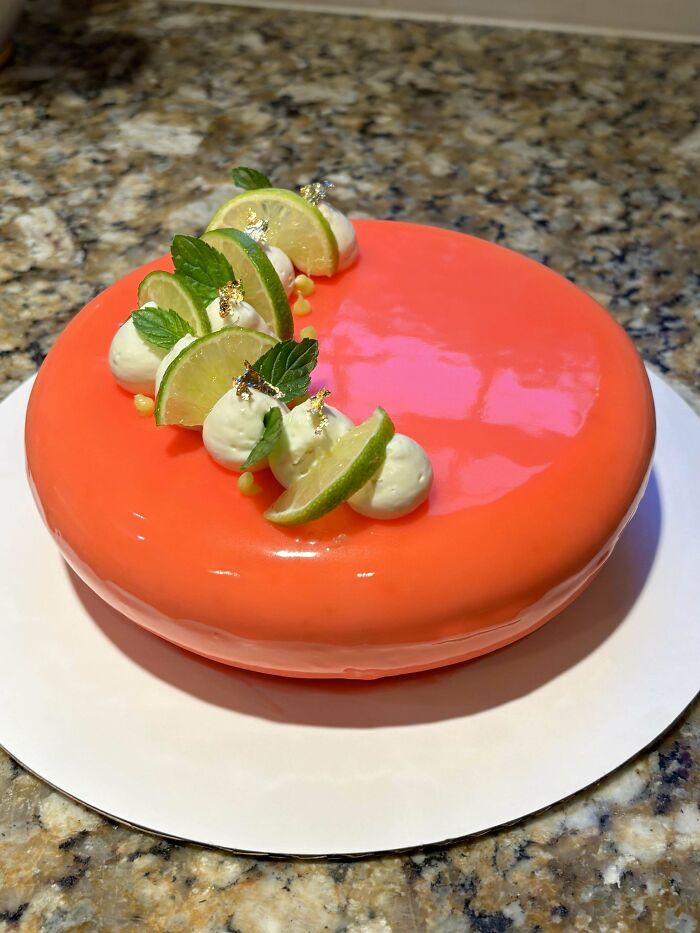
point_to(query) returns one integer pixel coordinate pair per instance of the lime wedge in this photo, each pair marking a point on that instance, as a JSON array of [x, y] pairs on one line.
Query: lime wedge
[[295, 226], [169, 290], [204, 371], [347, 466], [263, 289]]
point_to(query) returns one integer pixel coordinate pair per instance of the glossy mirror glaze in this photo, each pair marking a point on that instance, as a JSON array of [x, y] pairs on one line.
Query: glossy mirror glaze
[[530, 400]]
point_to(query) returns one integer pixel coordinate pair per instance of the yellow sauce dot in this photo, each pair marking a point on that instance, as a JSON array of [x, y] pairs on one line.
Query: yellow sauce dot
[[308, 332], [144, 405], [301, 306], [247, 484], [304, 285]]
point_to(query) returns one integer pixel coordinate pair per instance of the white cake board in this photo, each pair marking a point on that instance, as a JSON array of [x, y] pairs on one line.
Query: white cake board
[[167, 741]]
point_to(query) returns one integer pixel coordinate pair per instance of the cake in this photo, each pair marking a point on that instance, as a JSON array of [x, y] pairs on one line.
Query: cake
[[530, 402]]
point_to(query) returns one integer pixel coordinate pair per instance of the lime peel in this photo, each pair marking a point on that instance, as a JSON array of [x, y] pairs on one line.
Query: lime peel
[[349, 464], [294, 225], [199, 376], [169, 290], [261, 283]]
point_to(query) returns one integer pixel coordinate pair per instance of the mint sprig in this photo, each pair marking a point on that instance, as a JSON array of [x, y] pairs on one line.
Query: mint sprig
[[271, 434], [160, 326], [288, 366], [249, 178], [205, 269]]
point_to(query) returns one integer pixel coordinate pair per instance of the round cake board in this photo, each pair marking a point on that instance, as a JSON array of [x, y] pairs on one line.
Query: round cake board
[[164, 740]]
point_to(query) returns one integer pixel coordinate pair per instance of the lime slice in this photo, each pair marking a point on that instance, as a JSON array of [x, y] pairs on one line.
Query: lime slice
[[347, 466], [263, 289], [295, 226], [204, 371], [169, 290]]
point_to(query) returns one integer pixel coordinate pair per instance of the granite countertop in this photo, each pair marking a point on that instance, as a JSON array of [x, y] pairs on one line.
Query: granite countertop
[[119, 121]]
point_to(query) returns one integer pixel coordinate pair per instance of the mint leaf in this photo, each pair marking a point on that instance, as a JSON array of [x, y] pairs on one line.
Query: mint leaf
[[288, 366], [270, 435], [205, 269], [249, 178], [160, 326]]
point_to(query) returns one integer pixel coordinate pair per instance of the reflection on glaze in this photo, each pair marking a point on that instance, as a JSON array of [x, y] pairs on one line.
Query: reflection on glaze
[[409, 374], [477, 480], [535, 405], [287, 554], [490, 419]]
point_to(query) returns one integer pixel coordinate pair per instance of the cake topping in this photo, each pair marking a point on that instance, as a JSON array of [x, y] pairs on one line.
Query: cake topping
[[317, 410], [251, 379], [304, 285], [257, 228], [313, 449], [204, 269], [288, 366], [230, 295], [161, 327], [301, 306], [249, 178], [316, 192], [272, 430], [296, 226], [144, 404], [247, 484]]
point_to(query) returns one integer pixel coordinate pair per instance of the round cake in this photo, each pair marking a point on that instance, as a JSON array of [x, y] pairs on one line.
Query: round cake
[[531, 402]]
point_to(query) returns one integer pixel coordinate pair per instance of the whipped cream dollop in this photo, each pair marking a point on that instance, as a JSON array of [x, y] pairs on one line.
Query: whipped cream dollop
[[134, 361], [235, 425], [282, 264], [344, 233], [171, 355], [300, 446], [241, 315], [399, 485]]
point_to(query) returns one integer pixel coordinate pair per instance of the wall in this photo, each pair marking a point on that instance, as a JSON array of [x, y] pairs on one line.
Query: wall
[[672, 19]]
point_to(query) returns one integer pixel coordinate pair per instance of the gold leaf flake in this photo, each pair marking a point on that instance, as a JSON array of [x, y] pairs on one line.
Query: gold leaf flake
[[316, 192], [317, 410], [251, 379], [257, 228], [230, 295]]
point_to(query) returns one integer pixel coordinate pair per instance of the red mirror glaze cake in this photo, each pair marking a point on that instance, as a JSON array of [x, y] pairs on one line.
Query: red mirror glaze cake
[[531, 402]]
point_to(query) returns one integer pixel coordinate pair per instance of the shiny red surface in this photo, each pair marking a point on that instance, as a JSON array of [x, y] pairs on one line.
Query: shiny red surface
[[530, 400]]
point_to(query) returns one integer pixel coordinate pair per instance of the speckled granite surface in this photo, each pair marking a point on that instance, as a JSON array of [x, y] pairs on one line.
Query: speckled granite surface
[[118, 122]]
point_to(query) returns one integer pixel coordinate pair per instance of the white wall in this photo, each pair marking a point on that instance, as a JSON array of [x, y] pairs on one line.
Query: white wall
[[674, 19]]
